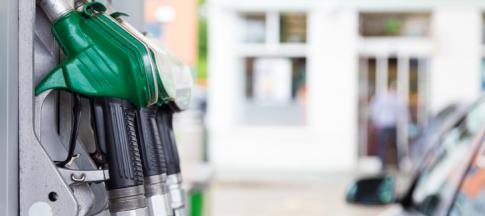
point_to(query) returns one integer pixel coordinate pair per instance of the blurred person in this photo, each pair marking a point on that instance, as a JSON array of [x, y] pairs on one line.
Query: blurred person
[[386, 110]]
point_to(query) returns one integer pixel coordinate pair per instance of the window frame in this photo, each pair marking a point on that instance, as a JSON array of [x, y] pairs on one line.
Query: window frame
[[272, 47]]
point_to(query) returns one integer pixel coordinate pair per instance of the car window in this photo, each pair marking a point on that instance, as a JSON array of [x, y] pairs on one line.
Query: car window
[[454, 147], [426, 135], [470, 199]]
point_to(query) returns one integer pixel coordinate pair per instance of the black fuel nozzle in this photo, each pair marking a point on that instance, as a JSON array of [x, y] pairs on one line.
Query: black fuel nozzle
[[152, 151], [174, 178], [154, 160], [117, 135], [165, 126]]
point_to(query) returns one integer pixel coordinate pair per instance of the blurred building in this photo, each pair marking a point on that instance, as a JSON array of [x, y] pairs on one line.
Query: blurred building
[[290, 81], [175, 23]]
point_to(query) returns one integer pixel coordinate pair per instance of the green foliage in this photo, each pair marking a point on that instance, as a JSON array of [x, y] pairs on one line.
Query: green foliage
[[202, 45]]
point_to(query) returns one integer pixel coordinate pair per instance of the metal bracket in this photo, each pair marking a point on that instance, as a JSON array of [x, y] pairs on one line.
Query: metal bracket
[[83, 176]]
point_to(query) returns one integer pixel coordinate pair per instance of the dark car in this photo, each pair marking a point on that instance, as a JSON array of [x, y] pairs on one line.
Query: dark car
[[450, 179]]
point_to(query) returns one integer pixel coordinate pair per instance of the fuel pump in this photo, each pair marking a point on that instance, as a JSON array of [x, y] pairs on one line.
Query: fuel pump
[[174, 178], [154, 160], [133, 86], [157, 122], [177, 81]]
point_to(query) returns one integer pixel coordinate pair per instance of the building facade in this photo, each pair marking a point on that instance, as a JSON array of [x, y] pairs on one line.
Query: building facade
[[291, 80]]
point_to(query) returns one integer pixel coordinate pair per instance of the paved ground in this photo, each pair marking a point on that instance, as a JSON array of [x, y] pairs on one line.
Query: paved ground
[[285, 198]]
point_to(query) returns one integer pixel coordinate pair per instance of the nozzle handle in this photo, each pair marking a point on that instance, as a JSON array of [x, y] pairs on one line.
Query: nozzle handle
[[152, 152], [165, 126], [119, 131]]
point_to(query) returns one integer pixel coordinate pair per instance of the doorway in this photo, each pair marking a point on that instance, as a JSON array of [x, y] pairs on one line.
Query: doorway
[[410, 75]]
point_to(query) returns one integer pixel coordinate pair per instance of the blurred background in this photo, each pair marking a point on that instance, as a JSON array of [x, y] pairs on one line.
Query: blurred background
[[281, 121]]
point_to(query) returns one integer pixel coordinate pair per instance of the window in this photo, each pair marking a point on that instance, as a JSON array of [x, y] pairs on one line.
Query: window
[[274, 74], [275, 90], [254, 25], [454, 148], [395, 24], [275, 80], [293, 27]]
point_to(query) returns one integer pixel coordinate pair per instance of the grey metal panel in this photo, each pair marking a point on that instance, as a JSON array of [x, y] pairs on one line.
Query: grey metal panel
[[42, 135], [40, 143], [37, 175], [9, 107]]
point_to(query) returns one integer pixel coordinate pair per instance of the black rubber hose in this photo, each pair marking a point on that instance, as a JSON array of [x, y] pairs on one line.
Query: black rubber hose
[[74, 130], [97, 123]]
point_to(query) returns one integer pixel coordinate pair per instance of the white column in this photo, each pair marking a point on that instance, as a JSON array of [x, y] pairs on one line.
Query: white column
[[332, 84], [455, 67], [403, 92], [363, 108], [382, 73], [423, 89], [272, 28], [224, 86]]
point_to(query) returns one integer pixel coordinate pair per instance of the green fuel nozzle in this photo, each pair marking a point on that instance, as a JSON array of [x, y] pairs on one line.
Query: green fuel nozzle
[[106, 57]]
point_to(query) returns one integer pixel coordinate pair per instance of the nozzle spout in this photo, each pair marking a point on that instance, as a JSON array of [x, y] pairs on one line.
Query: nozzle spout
[[54, 9]]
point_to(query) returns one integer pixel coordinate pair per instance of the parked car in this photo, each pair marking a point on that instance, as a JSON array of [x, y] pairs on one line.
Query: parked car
[[429, 136], [450, 179]]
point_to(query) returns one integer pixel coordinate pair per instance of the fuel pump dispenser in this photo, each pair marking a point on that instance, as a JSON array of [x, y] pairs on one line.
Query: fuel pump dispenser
[[133, 87], [174, 178], [179, 85]]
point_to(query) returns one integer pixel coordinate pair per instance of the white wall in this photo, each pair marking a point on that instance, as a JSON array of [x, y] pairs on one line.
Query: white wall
[[327, 142], [455, 67]]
